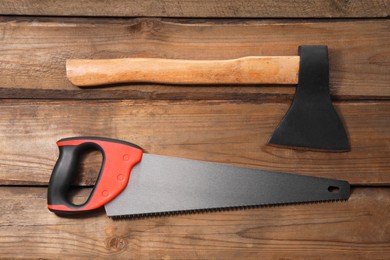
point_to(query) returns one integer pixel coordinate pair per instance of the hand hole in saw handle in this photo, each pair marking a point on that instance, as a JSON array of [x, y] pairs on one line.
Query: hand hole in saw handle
[[118, 159], [334, 189]]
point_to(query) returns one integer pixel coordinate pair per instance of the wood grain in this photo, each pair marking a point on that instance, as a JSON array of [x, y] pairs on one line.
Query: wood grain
[[245, 70], [34, 51], [228, 124], [233, 133], [357, 229], [202, 8]]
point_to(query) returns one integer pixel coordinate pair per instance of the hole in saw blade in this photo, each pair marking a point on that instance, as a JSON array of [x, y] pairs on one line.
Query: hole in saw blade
[[333, 189], [89, 165]]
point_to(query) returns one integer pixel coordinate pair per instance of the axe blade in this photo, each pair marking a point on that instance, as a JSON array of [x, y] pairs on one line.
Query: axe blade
[[312, 123]]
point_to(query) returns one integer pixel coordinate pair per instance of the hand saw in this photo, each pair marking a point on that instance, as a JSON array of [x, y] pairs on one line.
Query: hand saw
[[133, 183]]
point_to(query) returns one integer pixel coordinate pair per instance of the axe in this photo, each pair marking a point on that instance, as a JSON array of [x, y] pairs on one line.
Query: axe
[[311, 123]]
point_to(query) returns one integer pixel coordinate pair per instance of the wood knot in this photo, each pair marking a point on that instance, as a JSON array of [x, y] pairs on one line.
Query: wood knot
[[145, 26], [116, 243]]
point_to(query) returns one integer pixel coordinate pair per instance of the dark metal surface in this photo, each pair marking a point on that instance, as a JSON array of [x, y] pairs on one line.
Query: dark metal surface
[[168, 184], [312, 123]]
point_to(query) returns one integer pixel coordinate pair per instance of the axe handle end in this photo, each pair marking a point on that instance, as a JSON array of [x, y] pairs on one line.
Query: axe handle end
[[246, 70]]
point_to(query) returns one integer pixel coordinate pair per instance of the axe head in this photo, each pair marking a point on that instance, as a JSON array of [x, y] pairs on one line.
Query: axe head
[[312, 123]]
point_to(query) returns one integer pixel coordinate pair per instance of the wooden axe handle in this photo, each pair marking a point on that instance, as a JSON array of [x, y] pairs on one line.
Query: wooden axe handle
[[246, 70]]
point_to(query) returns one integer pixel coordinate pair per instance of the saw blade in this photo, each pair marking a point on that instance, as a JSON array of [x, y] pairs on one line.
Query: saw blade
[[162, 184]]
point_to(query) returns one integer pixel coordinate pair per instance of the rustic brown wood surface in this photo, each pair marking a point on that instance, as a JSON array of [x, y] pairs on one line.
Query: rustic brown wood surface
[[357, 229], [34, 50], [220, 131], [199, 8], [227, 124]]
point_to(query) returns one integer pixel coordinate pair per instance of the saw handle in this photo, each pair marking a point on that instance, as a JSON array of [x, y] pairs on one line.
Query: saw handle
[[245, 70], [119, 157]]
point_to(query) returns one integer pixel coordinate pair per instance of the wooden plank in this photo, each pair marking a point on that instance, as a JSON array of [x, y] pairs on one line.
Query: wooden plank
[[202, 8], [357, 229], [34, 51], [232, 133]]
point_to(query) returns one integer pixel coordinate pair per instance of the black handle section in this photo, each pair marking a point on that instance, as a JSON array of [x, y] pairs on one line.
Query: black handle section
[[64, 173]]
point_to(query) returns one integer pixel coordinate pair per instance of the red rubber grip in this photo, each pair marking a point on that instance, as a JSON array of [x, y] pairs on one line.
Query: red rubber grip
[[118, 159]]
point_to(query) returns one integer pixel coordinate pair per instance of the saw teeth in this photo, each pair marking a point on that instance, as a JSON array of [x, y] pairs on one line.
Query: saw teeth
[[222, 209]]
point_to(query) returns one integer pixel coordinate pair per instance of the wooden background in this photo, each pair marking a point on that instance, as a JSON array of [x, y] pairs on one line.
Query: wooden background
[[227, 124]]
